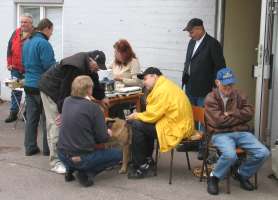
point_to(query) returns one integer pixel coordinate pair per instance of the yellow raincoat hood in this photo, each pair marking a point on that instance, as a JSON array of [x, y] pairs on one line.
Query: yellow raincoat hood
[[169, 108]]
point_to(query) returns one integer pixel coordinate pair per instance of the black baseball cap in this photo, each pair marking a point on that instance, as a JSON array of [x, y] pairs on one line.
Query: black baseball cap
[[192, 23], [99, 57], [150, 70]]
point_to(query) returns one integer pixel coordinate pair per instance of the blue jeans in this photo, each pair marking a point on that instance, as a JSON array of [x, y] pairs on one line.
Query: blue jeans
[[34, 111], [196, 101], [226, 143], [15, 95], [94, 162]]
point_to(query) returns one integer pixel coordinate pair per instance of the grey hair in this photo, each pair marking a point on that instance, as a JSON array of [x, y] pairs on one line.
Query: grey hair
[[27, 15]]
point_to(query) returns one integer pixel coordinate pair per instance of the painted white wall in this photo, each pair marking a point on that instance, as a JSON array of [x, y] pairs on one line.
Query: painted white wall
[[8, 14], [154, 29]]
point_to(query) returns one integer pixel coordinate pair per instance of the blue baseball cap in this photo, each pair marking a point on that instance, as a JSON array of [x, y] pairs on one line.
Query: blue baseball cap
[[226, 76]]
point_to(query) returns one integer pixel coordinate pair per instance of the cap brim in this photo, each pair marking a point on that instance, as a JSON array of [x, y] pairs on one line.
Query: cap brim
[[187, 28], [140, 76], [228, 81]]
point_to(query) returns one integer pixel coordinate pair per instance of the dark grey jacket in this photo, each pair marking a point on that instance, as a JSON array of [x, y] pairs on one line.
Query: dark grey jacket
[[83, 126]]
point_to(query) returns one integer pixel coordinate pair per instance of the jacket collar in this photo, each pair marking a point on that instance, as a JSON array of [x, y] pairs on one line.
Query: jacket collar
[[201, 46], [40, 34]]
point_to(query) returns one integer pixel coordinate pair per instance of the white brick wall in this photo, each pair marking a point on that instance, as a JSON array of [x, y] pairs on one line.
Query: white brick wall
[[153, 27]]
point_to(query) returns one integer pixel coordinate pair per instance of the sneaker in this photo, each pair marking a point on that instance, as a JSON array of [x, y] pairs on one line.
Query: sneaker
[[150, 161], [32, 152], [244, 182], [145, 170], [213, 185], [135, 174], [84, 179], [59, 168]]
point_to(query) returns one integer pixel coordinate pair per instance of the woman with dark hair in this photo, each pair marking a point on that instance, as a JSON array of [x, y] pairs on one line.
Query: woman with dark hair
[[125, 66], [37, 57]]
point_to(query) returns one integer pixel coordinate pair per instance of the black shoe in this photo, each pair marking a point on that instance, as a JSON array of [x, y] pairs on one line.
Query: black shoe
[[69, 176], [12, 117], [150, 161], [32, 152], [135, 174], [244, 183], [145, 170], [84, 179], [213, 185]]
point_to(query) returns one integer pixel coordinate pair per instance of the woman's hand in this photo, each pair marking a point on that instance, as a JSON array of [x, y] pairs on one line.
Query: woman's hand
[[58, 120]]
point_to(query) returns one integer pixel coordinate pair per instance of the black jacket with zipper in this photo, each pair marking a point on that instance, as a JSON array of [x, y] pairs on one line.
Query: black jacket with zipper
[[56, 82]]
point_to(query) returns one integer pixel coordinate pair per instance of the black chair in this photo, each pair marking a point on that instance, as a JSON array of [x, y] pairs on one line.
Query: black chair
[[186, 145]]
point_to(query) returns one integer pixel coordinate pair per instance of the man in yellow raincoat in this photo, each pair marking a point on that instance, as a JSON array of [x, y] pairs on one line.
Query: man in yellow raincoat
[[168, 117]]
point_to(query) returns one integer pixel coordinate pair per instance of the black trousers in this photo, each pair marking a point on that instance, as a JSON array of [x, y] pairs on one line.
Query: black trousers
[[143, 135]]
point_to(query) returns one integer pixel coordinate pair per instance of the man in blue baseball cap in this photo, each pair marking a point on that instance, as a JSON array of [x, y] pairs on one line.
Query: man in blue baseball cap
[[227, 114]]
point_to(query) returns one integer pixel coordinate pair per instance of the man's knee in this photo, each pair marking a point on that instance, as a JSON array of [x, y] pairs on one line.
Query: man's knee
[[230, 156], [262, 154], [136, 124]]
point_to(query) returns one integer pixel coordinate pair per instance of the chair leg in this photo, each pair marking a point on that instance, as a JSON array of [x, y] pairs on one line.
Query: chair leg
[[202, 171], [256, 181], [228, 189], [156, 158], [171, 166], [188, 161]]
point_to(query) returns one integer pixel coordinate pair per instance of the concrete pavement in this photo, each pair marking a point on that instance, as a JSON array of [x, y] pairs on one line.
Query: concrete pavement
[[29, 178]]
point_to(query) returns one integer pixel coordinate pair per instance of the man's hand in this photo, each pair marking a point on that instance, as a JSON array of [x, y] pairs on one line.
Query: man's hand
[[131, 116], [58, 120], [93, 65], [105, 103], [109, 131], [227, 114]]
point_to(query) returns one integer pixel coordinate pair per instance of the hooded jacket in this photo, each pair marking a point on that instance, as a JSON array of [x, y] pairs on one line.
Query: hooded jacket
[[56, 82], [240, 112], [170, 110]]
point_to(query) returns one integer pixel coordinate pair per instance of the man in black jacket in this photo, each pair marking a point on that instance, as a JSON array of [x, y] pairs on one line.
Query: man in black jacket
[[204, 58], [55, 86]]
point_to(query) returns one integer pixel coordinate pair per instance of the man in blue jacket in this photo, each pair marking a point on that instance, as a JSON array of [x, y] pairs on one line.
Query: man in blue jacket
[[38, 56]]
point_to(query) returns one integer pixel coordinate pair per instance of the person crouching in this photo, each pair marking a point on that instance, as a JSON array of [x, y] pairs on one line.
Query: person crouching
[[83, 126]]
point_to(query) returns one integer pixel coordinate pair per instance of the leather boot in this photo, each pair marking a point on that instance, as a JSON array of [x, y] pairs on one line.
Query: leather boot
[[213, 185], [244, 182], [12, 117]]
